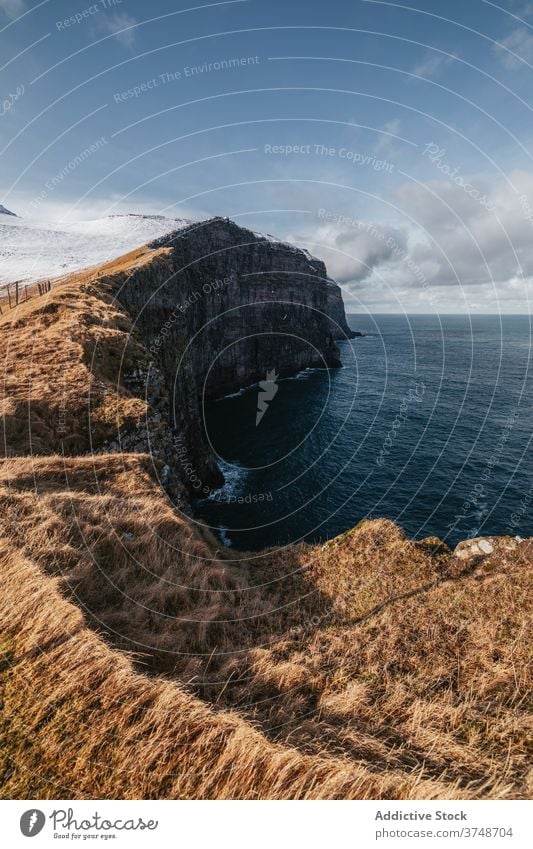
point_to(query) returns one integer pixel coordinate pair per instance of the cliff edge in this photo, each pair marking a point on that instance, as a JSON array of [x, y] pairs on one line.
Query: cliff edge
[[197, 314], [138, 660]]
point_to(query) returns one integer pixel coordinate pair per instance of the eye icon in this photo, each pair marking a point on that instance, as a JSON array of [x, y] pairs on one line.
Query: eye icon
[[32, 822]]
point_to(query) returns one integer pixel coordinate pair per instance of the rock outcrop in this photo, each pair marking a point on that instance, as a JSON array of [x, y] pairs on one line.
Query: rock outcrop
[[141, 342], [223, 307], [338, 324]]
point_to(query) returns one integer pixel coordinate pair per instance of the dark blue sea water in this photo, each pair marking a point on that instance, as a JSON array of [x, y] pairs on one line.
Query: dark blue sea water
[[428, 424]]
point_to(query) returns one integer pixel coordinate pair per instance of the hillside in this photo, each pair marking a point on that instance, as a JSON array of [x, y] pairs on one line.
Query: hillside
[[31, 248], [141, 660]]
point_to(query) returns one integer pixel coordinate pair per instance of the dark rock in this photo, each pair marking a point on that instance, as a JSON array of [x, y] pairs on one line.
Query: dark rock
[[221, 308], [338, 324]]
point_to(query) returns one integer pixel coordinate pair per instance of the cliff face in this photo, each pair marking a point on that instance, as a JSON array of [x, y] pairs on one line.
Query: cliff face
[[222, 309], [241, 303], [338, 324], [140, 342]]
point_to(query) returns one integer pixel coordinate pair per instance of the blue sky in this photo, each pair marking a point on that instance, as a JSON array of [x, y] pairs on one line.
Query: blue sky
[[393, 141]]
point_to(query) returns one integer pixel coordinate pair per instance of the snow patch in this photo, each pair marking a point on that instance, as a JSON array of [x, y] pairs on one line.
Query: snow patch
[[33, 250]]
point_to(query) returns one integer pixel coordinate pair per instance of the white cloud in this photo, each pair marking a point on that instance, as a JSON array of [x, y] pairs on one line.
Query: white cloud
[[525, 10], [352, 249], [449, 252], [13, 8], [385, 142], [461, 241], [122, 26], [519, 42], [432, 64]]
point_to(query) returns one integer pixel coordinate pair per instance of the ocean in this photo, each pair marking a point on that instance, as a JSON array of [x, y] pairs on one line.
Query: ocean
[[428, 423]]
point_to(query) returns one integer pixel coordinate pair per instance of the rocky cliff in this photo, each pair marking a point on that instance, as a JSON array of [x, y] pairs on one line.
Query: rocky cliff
[[368, 666], [224, 307], [141, 342], [338, 324]]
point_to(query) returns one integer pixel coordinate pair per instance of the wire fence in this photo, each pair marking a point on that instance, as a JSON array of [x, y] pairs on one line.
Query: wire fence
[[17, 293]]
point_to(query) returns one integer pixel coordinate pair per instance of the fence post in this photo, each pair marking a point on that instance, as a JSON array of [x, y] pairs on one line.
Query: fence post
[[9, 294], [17, 293]]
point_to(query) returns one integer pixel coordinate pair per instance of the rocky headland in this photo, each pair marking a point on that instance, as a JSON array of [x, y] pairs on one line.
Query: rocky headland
[[141, 659], [219, 310], [202, 312]]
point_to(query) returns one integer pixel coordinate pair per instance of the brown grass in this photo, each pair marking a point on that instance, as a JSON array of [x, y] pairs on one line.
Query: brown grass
[[367, 668], [62, 357], [140, 661]]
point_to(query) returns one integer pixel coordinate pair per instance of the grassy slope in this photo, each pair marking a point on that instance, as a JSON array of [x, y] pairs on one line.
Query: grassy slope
[[140, 661], [62, 358]]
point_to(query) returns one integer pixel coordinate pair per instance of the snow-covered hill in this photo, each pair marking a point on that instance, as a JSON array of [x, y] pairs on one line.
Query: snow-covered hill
[[32, 250]]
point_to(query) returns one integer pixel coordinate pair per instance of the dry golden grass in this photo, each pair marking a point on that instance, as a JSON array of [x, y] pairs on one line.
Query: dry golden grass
[[365, 668], [62, 356], [139, 660]]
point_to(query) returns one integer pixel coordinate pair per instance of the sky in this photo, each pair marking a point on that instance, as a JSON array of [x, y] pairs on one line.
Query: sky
[[394, 141]]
